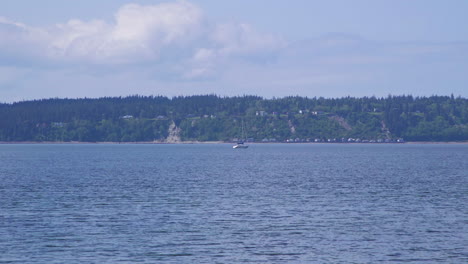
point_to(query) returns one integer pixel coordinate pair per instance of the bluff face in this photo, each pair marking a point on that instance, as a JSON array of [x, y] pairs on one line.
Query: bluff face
[[215, 118]]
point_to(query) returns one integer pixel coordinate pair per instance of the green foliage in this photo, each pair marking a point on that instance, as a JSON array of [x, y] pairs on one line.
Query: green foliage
[[214, 118]]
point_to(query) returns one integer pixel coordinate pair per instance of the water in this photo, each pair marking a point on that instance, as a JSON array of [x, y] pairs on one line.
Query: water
[[271, 203]]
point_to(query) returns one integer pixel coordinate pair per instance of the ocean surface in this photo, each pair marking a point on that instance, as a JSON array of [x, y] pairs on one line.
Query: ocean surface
[[270, 203]]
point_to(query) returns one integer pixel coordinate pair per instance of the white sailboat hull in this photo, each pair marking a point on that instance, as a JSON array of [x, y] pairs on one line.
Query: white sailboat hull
[[239, 147]]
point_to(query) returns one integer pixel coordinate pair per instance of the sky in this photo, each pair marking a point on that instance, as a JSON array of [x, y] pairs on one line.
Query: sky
[[271, 48]]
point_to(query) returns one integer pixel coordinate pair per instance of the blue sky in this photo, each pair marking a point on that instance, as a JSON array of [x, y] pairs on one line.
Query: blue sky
[[334, 48]]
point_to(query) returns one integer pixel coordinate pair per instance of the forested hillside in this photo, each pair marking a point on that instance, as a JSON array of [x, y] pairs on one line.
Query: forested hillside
[[214, 118]]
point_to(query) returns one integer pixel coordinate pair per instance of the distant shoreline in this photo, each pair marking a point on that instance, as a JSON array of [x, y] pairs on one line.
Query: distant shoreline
[[217, 142]]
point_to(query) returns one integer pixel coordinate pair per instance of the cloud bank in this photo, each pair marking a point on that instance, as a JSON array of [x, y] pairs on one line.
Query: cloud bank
[[174, 48], [138, 34]]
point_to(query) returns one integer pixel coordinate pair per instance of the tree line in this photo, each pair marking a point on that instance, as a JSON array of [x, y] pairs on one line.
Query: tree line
[[216, 118]]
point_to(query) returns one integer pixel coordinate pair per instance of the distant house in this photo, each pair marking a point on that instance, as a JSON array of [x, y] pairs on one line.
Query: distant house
[[127, 117], [260, 113], [269, 140], [57, 124], [160, 117]]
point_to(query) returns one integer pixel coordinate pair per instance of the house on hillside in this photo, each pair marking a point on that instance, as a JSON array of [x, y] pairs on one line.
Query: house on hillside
[[317, 112], [57, 124]]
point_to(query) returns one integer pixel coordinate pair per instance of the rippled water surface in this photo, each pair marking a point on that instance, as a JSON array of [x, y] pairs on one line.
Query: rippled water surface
[[271, 203]]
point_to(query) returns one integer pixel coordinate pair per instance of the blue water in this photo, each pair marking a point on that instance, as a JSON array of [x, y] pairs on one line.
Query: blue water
[[271, 203]]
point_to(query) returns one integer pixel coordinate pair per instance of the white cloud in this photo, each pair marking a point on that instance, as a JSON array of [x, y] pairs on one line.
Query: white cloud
[[164, 24], [138, 34]]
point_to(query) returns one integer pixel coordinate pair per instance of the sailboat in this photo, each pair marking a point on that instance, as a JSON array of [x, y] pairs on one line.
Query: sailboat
[[240, 143]]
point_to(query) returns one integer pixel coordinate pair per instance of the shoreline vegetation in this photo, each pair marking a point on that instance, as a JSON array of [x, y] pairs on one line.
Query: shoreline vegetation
[[211, 118]]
